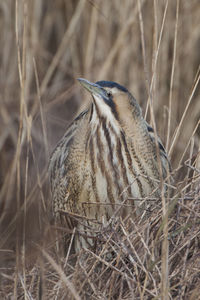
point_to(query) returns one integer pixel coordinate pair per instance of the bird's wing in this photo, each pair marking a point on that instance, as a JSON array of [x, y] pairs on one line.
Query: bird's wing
[[58, 165], [163, 154]]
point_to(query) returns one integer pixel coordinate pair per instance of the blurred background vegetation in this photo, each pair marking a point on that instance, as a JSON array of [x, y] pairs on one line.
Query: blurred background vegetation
[[151, 47]]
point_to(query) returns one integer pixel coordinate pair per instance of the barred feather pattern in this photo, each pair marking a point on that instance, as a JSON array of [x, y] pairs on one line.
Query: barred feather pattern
[[97, 168]]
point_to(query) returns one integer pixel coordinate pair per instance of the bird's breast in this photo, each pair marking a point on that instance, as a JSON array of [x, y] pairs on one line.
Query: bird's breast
[[114, 174]]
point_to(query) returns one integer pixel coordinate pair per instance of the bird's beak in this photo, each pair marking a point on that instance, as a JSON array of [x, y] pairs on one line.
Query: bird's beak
[[93, 88]]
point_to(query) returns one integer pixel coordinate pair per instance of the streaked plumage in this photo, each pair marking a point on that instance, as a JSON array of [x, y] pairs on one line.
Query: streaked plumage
[[107, 155]]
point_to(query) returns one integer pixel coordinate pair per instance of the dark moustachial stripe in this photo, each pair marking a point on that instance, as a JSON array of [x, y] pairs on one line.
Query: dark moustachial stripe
[[112, 105]]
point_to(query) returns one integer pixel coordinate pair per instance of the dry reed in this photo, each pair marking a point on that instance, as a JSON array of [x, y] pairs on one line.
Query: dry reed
[[152, 48]]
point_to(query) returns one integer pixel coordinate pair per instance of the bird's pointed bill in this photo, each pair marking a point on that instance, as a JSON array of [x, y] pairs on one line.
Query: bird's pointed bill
[[93, 88]]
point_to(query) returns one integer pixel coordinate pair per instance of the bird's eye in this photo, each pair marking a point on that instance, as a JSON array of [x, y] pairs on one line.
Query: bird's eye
[[109, 94]]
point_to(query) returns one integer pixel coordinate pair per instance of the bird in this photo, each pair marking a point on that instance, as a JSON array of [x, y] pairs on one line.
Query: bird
[[109, 163]]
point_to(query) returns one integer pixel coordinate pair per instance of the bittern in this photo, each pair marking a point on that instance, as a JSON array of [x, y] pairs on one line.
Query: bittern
[[107, 157]]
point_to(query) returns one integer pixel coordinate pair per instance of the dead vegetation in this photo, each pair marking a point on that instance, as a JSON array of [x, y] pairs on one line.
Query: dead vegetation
[[152, 48]]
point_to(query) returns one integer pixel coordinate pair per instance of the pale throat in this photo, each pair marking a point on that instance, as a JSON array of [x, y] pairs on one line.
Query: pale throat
[[102, 113]]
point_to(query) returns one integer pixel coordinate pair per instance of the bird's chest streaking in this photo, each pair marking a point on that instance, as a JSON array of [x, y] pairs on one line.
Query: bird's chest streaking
[[111, 178], [107, 164]]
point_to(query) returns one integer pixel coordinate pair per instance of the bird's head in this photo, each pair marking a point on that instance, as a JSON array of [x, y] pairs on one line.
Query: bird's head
[[112, 100]]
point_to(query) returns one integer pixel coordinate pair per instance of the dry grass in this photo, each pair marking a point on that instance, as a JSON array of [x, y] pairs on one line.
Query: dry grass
[[151, 47]]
